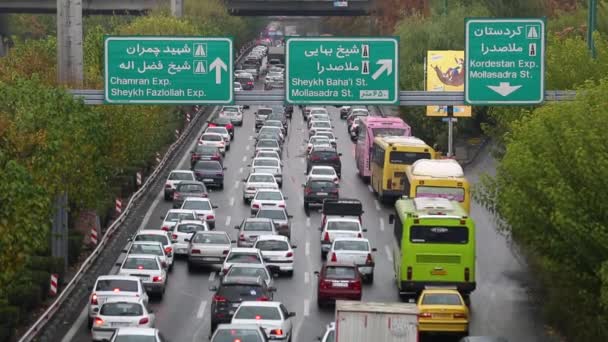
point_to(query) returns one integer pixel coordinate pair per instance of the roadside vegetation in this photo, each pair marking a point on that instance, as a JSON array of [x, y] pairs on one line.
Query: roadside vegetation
[[51, 143]]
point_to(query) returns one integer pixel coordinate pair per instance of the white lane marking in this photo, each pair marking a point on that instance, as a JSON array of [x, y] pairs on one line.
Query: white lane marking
[[247, 147], [228, 221], [308, 222], [236, 185], [307, 248], [212, 277], [231, 201], [201, 308], [381, 224], [377, 205], [241, 170], [251, 137], [306, 307], [244, 158], [74, 329], [146, 219], [370, 188], [302, 160], [306, 277], [388, 253]]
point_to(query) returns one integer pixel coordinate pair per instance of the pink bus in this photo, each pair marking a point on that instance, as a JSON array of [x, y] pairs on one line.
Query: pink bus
[[371, 127]]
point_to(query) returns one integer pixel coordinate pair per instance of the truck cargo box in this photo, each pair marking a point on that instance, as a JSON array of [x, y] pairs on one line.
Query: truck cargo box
[[382, 322]]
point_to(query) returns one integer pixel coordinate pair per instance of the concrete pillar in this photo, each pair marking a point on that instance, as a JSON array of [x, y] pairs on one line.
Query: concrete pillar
[[177, 8], [69, 43]]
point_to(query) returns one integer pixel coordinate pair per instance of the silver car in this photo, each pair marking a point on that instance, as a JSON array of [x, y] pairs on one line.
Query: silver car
[[120, 312], [257, 181], [250, 270], [208, 248], [268, 145], [251, 228], [280, 218], [269, 163], [151, 248], [148, 268], [273, 317]]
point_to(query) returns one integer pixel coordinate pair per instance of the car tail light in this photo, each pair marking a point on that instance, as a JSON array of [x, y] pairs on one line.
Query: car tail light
[[168, 185], [157, 279], [218, 298], [467, 274], [369, 259], [210, 217], [215, 158], [205, 195], [212, 125], [250, 188], [424, 315], [229, 126], [334, 191], [334, 257], [255, 206], [174, 237], [144, 320], [219, 174], [326, 236], [409, 273], [263, 299], [225, 252], [355, 285], [325, 284], [195, 251], [242, 237], [460, 315], [250, 83], [276, 332], [289, 254], [168, 250], [282, 206], [94, 299], [98, 321]]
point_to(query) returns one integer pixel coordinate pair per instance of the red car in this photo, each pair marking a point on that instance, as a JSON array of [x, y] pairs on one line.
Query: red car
[[223, 122], [338, 281]]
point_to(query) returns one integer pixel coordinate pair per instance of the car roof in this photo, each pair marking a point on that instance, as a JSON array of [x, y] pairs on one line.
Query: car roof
[[181, 171], [210, 133], [153, 232], [440, 291], [325, 149], [117, 277], [215, 127], [201, 222], [117, 299], [238, 326], [260, 173], [275, 140], [266, 158], [261, 303], [273, 238], [240, 264], [257, 219], [193, 182], [180, 211], [271, 209], [212, 232], [141, 256], [351, 239], [136, 331], [196, 199], [147, 243]]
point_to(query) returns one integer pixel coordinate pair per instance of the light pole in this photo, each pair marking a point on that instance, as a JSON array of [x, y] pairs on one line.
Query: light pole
[[591, 23]]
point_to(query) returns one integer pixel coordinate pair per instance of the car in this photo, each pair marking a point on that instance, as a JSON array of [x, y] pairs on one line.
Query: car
[[317, 110], [149, 248], [307, 110], [120, 312], [279, 217], [253, 71], [344, 112], [321, 172], [223, 132], [442, 310], [315, 125], [250, 270], [222, 121], [329, 135], [276, 131], [272, 145], [353, 129], [183, 231], [356, 251], [148, 268], [158, 236], [339, 227], [267, 198], [318, 190], [257, 181], [267, 154], [109, 286], [277, 82], [202, 152], [239, 332], [327, 156], [231, 292], [320, 144], [260, 116], [233, 113], [354, 114], [187, 189], [210, 173], [330, 333], [318, 117], [246, 80], [237, 86], [316, 139], [483, 339], [338, 281], [272, 316], [276, 123], [174, 178], [138, 334], [173, 216], [252, 228], [276, 69], [277, 252], [318, 130], [203, 209], [208, 248], [213, 139], [271, 164], [279, 117], [242, 255]]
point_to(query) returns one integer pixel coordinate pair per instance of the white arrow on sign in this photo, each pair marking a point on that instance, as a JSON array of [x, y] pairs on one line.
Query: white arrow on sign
[[385, 64], [505, 88], [218, 65]]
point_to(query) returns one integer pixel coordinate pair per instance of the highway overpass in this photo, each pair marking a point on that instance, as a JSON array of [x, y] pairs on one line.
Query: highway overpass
[[88, 6]]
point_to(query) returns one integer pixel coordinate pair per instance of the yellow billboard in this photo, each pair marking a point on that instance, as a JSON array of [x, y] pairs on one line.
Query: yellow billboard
[[445, 72]]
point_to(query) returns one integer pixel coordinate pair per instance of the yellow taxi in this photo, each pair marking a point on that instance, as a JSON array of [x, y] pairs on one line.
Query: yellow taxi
[[442, 310]]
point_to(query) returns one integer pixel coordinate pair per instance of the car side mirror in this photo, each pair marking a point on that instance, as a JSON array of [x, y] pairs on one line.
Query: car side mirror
[[294, 246], [290, 216], [285, 197], [291, 314], [320, 229], [316, 273], [303, 185], [212, 288], [340, 154], [237, 227], [192, 151], [214, 206], [164, 264], [319, 338], [187, 240], [249, 165], [391, 219], [232, 241], [364, 230], [374, 249], [162, 218]]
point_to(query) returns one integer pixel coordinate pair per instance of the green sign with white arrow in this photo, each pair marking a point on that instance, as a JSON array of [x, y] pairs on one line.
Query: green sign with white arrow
[[168, 70], [342, 70], [504, 61]]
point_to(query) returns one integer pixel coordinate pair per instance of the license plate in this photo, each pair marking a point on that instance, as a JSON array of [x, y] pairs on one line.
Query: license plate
[[211, 259], [322, 193], [120, 324], [439, 272], [340, 284], [207, 180], [441, 315], [143, 277], [182, 250]]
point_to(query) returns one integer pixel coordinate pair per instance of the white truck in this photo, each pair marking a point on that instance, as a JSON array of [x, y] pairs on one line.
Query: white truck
[[367, 321]]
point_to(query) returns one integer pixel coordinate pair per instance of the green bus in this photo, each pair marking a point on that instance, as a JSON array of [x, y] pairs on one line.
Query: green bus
[[434, 246]]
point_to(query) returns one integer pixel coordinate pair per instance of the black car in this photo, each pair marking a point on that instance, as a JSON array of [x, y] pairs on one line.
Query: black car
[[203, 152], [223, 122], [246, 80], [210, 172], [188, 189], [289, 110], [231, 292], [260, 116], [317, 190], [326, 156]]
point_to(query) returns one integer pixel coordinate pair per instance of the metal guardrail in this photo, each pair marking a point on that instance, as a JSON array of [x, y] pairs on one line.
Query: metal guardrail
[[46, 316], [277, 97]]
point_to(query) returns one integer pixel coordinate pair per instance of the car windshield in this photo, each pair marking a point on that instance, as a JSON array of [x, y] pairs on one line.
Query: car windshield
[[360, 246], [189, 228], [135, 338], [205, 149], [268, 143], [316, 140], [230, 109], [121, 309], [258, 312], [321, 124], [212, 137], [211, 239], [322, 185], [138, 248], [272, 214], [208, 165], [190, 188], [149, 237], [174, 217], [244, 258], [140, 264], [261, 179], [269, 196], [343, 225], [117, 285], [240, 271], [326, 134], [240, 292], [340, 272], [264, 111], [272, 170], [323, 171], [270, 130], [265, 154], [197, 205], [257, 226], [265, 162], [441, 299], [218, 130], [220, 120], [181, 176], [272, 245]]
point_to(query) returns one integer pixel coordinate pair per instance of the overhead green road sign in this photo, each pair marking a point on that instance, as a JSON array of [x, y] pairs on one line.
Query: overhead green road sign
[[342, 70], [168, 70], [504, 61]]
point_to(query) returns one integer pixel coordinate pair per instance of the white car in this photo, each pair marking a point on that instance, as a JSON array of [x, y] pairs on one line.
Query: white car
[[277, 252], [138, 334], [317, 110], [174, 178], [337, 227], [149, 248], [158, 236], [120, 312], [173, 216], [213, 139], [276, 131], [271, 163], [242, 255], [323, 173], [250, 270], [203, 209], [320, 124], [237, 86], [264, 198], [273, 317], [148, 268], [320, 117], [257, 181], [208, 249], [221, 131], [317, 120], [234, 113], [268, 154], [317, 130], [329, 135], [316, 139], [330, 333], [270, 145], [108, 286], [354, 251], [183, 232]]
